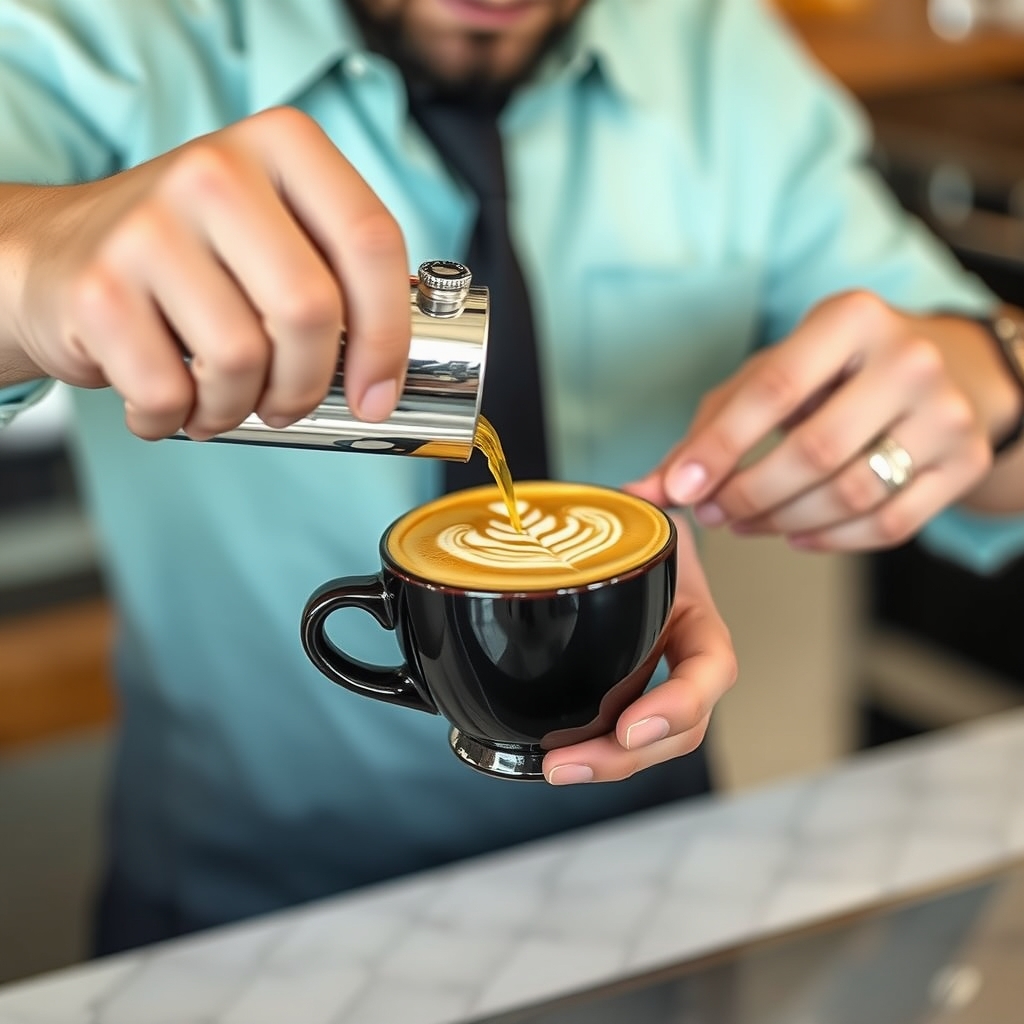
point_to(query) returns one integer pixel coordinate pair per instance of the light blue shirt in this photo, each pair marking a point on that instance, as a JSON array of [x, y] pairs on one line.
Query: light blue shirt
[[685, 187]]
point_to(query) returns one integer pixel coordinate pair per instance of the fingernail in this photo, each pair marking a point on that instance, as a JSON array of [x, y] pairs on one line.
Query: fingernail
[[379, 401], [684, 482], [570, 774], [277, 422], [646, 731], [709, 514]]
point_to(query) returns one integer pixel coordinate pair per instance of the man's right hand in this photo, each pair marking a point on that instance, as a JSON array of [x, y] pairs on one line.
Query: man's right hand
[[247, 250]]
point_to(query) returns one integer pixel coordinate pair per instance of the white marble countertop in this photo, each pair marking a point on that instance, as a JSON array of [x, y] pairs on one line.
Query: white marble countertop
[[588, 907]]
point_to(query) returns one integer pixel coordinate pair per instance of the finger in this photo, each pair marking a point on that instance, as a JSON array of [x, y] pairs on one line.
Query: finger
[[700, 652], [898, 519], [853, 492], [680, 703], [604, 760], [208, 313], [669, 717], [120, 331], [363, 245], [931, 440], [818, 448], [230, 202], [781, 384], [653, 486], [650, 488]]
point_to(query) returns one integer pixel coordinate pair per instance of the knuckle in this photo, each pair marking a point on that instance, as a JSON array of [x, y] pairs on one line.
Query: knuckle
[[957, 414], [695, 736], [205, 420], [689, 709], [775, 387], [233, 357], [206, 425], [376, 234], [687, 742], [139, 235], [894, 525], [739, 498], [630, 765], [817, 450], [95, 295], [311, 307], [146, 429], [692, 704], [210, 417], [160, 396], [921, 361], [856, 492], [389, 345], [724, 446], [285, 120], [865, 309], [291, 408], [980, 457], [204, 171]]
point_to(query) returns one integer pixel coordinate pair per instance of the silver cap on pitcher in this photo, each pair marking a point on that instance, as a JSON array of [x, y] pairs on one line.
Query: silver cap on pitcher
[[443, 287]]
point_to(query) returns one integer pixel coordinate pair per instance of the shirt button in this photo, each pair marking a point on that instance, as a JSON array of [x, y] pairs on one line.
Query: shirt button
[[356, 66]]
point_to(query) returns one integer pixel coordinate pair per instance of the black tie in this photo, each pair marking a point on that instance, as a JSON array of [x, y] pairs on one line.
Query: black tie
[[466, 137]]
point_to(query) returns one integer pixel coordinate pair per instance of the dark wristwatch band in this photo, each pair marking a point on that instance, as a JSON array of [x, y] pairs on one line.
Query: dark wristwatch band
[[1008, 334]]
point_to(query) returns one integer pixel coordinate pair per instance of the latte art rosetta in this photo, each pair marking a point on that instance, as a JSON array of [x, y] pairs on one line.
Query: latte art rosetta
[[547, 541], [573, 535]]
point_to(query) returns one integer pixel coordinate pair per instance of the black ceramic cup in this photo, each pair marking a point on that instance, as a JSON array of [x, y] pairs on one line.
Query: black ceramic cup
[[516, 673]]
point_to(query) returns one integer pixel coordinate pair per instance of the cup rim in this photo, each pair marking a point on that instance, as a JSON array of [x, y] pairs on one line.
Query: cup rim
[[415, 579]]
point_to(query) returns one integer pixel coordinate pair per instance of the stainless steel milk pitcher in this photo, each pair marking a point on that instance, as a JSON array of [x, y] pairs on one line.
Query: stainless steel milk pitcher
[[439, 407]]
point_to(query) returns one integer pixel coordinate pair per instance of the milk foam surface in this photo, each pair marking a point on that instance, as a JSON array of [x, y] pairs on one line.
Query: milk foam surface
[[573, 534]]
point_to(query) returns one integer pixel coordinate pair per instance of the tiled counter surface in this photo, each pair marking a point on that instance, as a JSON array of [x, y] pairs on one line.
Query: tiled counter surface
[[570, 912]]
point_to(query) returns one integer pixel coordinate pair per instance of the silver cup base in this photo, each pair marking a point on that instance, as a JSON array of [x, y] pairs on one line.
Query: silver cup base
[[499, 760]]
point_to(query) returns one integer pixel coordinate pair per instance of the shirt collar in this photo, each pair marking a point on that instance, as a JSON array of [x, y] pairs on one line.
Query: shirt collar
[[608, 38], [294, 42]]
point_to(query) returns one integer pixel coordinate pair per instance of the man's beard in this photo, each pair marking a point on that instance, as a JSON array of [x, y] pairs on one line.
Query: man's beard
[[385, 34]]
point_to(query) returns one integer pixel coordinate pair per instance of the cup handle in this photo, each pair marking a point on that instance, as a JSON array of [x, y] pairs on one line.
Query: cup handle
[[368, 593]]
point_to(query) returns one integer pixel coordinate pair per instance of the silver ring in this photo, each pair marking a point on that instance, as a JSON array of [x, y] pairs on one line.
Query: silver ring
[[892, 464]]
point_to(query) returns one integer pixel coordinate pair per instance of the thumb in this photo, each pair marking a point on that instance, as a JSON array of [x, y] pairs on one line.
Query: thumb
[[677, 481], [649, 487]]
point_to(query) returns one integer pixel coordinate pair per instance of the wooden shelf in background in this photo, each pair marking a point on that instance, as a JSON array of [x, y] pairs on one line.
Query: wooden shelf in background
[[889, 47], [54, 672]]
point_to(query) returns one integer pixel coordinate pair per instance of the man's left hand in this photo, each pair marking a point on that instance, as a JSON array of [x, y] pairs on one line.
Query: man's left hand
[[880, 420], [670, 719]]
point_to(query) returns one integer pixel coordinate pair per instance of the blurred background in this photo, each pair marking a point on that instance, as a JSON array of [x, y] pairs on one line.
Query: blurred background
[[836, 653]]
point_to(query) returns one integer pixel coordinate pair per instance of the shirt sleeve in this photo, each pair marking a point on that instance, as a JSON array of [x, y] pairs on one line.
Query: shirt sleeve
[[47, 82], [17, 399], [834, 225], [985, 544]]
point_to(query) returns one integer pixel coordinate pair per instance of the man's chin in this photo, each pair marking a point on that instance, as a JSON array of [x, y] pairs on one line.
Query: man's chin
[[453, 63], [459, 64]]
